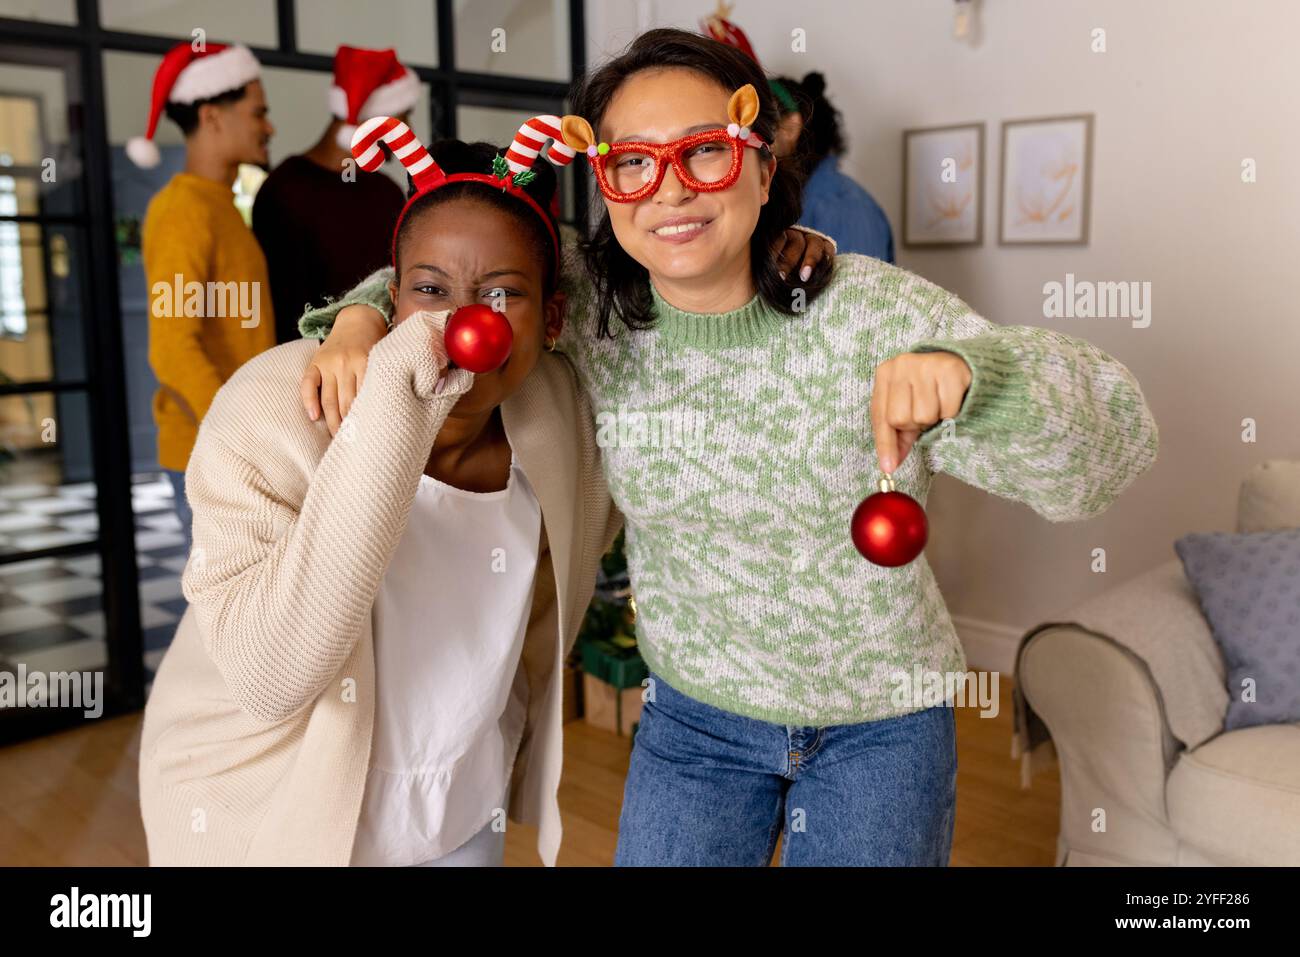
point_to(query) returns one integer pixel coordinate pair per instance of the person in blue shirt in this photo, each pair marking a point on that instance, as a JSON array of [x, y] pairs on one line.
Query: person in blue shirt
[[810, 136]]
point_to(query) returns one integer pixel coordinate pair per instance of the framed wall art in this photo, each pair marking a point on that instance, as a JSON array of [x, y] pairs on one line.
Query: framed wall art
[[943, 185], [1046, 180]]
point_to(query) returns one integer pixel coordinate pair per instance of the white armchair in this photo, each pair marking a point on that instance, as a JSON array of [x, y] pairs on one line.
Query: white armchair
[[1131, 688]]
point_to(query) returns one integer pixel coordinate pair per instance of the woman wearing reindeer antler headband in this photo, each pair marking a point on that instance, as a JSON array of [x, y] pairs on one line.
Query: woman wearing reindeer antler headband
[[793, 685], [370, 668]]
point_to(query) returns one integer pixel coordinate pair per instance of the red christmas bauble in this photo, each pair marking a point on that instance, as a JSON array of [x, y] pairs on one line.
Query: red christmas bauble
[[478, 338], [889, 528]]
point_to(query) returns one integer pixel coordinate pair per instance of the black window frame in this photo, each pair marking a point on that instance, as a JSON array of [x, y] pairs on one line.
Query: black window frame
[[104, 382]]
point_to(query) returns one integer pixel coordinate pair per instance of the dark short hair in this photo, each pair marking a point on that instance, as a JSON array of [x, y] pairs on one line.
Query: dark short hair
[[622, 284], [823, 133], [186, 115], [454, 156]]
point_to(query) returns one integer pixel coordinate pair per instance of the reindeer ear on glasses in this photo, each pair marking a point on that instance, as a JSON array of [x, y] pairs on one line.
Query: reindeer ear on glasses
[[577, 133], [743, 106]]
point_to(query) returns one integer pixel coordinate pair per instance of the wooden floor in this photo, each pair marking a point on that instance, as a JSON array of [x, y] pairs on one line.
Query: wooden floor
[[71, 799]]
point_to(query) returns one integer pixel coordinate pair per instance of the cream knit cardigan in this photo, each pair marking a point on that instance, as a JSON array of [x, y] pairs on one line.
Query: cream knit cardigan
[[257, 732]]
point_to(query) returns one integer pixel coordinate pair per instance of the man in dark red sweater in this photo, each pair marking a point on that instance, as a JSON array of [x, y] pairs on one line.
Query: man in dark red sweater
[[323, 222]]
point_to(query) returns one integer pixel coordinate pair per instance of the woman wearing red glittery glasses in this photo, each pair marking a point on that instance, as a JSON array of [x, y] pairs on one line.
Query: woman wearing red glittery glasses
[[796, 691], [703, 160]]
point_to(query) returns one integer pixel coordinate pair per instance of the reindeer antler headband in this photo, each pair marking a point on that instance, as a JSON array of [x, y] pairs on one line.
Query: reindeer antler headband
[[510, 172]]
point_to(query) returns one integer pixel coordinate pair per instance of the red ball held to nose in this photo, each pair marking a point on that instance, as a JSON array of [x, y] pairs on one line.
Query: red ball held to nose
[[478, 338], [889, 528]]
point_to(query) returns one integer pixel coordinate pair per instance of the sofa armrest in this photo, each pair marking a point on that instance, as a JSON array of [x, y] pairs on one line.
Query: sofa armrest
[[1157, 617], [1107, 720]]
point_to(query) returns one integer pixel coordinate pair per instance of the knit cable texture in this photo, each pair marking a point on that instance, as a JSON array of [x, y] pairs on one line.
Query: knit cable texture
[[277, 631], [737, 446]]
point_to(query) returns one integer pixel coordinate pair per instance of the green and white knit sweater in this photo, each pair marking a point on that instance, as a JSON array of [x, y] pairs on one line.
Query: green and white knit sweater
[[755, 447]]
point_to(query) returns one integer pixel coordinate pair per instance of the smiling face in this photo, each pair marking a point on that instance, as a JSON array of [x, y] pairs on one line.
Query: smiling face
[[462, 252], [678, 235], [242, 128]]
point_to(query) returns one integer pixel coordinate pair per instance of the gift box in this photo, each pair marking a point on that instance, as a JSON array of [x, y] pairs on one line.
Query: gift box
[[612, 668], [611, 683], [609, 708], [614, 661]]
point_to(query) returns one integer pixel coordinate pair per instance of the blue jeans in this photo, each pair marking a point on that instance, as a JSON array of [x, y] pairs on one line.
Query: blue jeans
[[708, 787], [182, 506]]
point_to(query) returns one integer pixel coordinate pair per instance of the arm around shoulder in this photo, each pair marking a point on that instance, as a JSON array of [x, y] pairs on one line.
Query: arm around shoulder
[[371, 291]]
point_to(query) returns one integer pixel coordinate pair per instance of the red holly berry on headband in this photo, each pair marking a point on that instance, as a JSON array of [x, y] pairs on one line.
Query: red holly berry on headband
[[889, 528], [478, 338]]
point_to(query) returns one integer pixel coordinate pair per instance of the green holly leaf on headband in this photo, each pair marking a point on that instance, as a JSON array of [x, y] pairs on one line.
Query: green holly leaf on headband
[[524, 178], [499, 167]]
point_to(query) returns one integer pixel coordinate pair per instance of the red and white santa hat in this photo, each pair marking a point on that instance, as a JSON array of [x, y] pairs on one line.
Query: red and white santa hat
[[369, 83], [187, 75]]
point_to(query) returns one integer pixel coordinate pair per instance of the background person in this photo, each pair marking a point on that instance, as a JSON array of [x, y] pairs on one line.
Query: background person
[[322, 232], [811, 135], [192, 232]]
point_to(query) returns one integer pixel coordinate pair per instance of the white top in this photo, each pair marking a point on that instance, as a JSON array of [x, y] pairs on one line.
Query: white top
[[450, 695]]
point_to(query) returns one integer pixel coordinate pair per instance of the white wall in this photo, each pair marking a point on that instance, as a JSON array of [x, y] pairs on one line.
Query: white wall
[[1185, 91]]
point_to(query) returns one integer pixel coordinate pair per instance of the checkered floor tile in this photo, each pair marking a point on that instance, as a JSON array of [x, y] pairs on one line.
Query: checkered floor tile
[[51, 611]]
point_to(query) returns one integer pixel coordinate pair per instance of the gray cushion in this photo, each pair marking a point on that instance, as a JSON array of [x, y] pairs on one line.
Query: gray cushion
[[1248, 587]]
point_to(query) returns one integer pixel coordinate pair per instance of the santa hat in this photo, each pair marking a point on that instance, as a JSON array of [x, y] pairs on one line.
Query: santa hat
[[369, 83], [186, 76]]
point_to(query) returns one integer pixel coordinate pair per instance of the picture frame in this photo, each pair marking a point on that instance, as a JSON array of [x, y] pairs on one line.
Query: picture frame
[[1046, 181], [943, 185]]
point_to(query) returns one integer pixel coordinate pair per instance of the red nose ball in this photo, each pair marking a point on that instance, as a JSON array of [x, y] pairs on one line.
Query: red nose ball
[[889, 528], [478, 338]]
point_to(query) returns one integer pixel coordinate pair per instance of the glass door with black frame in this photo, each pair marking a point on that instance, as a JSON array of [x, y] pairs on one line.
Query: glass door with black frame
[[56, 646]]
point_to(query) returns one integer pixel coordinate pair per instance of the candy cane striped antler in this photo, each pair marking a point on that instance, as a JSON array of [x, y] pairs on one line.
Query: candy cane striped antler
[[528, 143], [404, 145], [510, 174]]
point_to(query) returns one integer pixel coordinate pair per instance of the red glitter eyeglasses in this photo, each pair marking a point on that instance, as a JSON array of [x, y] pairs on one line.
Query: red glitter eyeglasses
[[704, 161]]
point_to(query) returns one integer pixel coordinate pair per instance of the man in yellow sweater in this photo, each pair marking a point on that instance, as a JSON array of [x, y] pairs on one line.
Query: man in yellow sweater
[[210, 305]]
